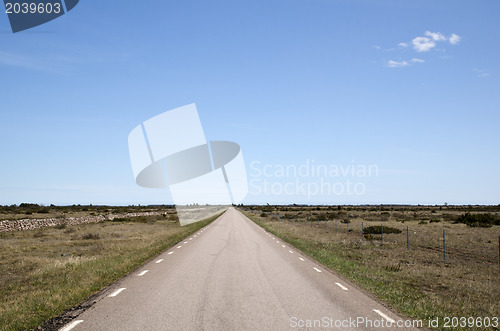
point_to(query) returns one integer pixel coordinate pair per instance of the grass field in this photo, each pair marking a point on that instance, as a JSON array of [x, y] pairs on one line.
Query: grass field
[[416, 282], [46, 271]]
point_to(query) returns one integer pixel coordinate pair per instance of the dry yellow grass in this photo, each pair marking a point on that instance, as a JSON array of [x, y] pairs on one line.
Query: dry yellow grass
[[46, 271], [417, 282]]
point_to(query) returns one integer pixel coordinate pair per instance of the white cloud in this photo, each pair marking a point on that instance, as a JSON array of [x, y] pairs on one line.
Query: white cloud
[[455, 39], [481, 72], [437, 36], [415, 60], [403, 44], [423, 44], [376, 46], [396, 64]]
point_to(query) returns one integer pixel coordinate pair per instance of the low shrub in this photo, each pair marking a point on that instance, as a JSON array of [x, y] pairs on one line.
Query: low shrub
[[375, 229], [478, 220], [91, 236]]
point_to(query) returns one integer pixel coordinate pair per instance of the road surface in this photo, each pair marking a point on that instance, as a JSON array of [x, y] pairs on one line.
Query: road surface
[[233, 275]]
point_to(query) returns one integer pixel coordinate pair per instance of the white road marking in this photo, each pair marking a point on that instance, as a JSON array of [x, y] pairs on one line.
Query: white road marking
[[143, 273], [384, 316], [273, 238], [159, 260], [179, 246], [316, 269], [70, 325], [115, 293], [191, 238], [291, 252], [194, 236], [185, 242], [170, 253], [301, 259], [277, 241], [283, 246], [341, 286]]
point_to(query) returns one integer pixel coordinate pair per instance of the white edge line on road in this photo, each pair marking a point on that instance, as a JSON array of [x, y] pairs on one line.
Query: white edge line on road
[[169, 253], [191, 238], [179, 246], [283, 246], [384, 316], [341, 286], [185, 242], [159, 260], [273, 238], [301, 259], [291, 252], [143, 273], [71, 325], [115, 293], [194, 236], [316, 269], [277, 241]]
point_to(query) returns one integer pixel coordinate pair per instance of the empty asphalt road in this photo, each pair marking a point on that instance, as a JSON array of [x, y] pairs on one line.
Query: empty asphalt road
[[232, 275]]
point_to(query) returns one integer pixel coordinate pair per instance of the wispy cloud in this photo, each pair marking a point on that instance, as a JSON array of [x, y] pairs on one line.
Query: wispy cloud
[[425, 44], [455, 39], [397, 64], [481, 72], [16, 60], [437, 36], [421, 44]]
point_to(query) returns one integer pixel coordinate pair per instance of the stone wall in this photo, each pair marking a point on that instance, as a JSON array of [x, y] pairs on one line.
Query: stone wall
[[30, 224]]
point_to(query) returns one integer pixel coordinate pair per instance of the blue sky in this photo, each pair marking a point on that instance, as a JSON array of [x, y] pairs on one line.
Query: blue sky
[[409, 86]]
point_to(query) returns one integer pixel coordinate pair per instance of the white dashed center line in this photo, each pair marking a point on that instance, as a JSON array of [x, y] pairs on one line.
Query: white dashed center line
[[71, 325], [341, 286], [316, 269], [143, 273], [179, 246], [185, 242], [159, 260], [283, 246], [277, 241], [115, 293], [384, 316], [170, 253], [291, 252], [301, 259]]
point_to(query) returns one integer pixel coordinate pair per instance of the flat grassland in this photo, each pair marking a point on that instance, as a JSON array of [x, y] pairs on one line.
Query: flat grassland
[[46, 271], [419, 281]]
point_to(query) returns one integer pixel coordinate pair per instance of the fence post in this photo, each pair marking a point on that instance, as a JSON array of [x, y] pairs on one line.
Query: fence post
[[407, 239], [348, 227], [499, 250], [382, 232], [362, 230], [326, 227], [336, 225], [444, 247]]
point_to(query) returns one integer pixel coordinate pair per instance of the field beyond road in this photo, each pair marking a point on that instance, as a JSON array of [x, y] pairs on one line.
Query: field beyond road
[[407, 267], [44, 272]]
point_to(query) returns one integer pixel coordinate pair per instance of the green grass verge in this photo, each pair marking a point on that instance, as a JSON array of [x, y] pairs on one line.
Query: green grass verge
[[48, 271], [402, 293]]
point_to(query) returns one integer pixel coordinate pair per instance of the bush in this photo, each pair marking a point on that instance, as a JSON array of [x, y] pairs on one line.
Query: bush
[[478, 220], [263, 215], [91, 236], [375, 229]]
